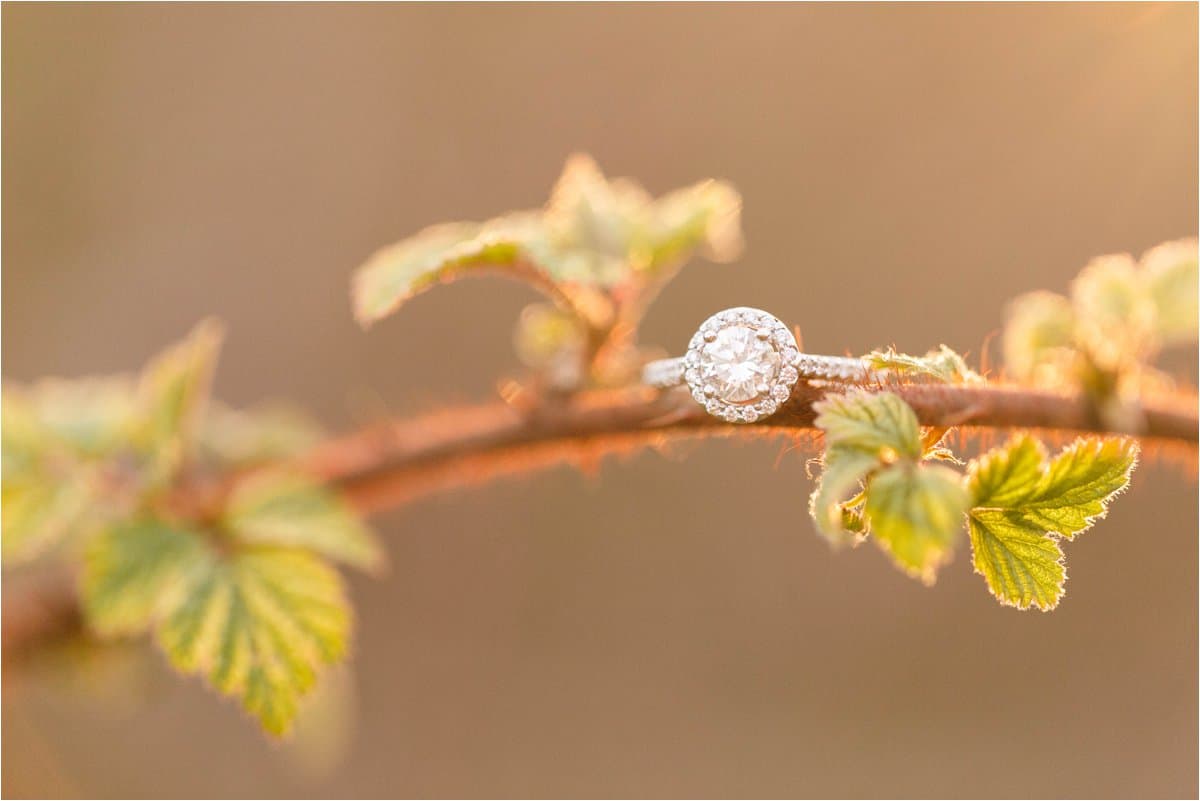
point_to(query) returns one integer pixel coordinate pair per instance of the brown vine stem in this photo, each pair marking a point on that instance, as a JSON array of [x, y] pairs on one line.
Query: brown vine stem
[[385, 466]]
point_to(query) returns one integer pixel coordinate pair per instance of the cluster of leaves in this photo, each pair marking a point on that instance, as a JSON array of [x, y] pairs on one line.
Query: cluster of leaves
[[101, 471], [599, 251], [886, 479], [1104, 337]]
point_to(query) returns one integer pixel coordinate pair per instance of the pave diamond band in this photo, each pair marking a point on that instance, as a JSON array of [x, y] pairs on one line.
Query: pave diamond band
[[742, 364]]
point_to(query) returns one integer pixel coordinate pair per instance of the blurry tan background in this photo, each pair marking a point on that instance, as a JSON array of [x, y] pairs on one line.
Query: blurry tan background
[[672, 626]]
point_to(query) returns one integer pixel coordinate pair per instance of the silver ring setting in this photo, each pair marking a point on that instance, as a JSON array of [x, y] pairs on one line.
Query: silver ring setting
[[742, 364]]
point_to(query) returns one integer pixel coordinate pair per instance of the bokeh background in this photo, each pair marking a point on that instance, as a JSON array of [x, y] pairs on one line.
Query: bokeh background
[[671, 626]]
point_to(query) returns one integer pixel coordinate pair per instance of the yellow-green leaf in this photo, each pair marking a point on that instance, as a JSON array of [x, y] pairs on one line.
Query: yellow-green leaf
[[1171, 273], [915, 512], [1062, 496], [133, 571], [1021, 565], [1023, 502], [292, 509], [878, 423], [173, 393], [41, 511], [259, 625]]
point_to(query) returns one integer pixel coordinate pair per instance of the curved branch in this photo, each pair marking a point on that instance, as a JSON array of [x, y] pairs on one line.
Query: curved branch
[[387, 465]]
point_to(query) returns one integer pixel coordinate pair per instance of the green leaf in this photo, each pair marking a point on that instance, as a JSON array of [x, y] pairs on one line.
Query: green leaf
[[133, 571], [1023, 502], [842, 476], [942, 364], [1171, 273], [1039, 333], [259, 625], [245, 437], [915, 512], [292, 509], [879, 423], [173, 391]]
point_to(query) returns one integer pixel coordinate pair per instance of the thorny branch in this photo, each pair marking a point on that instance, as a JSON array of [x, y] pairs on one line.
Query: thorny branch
[[387, 465]]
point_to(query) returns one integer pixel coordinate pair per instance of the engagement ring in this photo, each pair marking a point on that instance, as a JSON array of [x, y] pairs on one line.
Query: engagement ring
[[742, 364]]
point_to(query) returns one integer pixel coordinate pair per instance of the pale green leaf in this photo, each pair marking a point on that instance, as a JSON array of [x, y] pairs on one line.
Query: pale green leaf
[[1114, 313], [446, 253], [244, 437], [597, 221], [133, 571], [291, 509], [585, 250], [706, 216], [1171, 273], [915, 512], [259, 625], [841, 477], [942, 364], [174, 391], [1038, 334], [879, 423]]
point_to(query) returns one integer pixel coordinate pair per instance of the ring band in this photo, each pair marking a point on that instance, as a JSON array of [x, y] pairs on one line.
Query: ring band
[[742, 364]]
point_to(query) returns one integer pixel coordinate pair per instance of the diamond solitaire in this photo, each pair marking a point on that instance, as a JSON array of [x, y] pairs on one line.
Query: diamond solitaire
[[742, 363]]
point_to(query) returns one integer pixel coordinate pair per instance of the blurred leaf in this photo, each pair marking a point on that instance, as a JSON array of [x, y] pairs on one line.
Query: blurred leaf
[[133, 572], [914, 512], [1171, 273], [173, 391], [1039, 331], [40, 512], [291, 509], [593, 225], [942, 364], [706, 215], [1114, 314], [878, 423], [841, 477], [257, 620], [244, 437], [323, 735], [54, 436], [588, 250], [259, 625], [552, 341], [1023, 503], [446, 253]]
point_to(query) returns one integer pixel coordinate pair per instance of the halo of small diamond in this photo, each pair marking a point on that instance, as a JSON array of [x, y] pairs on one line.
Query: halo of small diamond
[[741, 364]]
